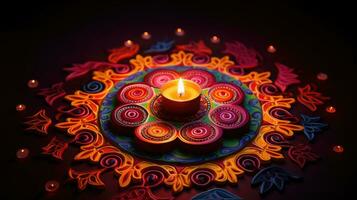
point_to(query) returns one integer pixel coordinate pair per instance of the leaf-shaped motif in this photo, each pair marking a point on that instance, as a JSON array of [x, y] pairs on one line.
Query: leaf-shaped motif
[[286, 77], [310, 98], [272, 176], [301, 153], [195, 47], [123, 52], [312, 125], [160, 46], [216, 194], [39, 122]]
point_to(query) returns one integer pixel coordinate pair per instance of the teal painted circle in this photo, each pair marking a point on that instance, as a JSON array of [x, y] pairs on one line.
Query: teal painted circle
[[229, 146]]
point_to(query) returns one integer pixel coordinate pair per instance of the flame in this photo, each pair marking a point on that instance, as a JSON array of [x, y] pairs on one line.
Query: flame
[[180, 87]]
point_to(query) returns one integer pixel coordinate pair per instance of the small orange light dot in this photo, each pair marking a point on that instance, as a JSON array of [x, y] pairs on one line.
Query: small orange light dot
[[51, 186], [32, 83], [20, 107], [330, 109], [22, 153], [128, 43], [146, 35], [322, 76], [338, 149], [271, 49], [215, 39], [180, 32]]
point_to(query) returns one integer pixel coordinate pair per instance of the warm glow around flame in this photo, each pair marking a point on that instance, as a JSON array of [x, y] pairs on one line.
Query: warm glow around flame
[[180, 87]]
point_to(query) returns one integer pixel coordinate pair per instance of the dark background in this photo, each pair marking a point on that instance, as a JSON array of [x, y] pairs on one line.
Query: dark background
[[38, 39]]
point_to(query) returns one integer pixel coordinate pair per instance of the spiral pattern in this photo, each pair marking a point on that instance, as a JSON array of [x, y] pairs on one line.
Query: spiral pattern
[[199, 133], [248, 163], [204, 78], [135, 93], [153, 177], [226, 93], [84, 137], [81, 111], [156, 132], [202, 177], [159, 77], [161, 59], [110, 161], [235, 70], [93, 87], [229, 116], [123, 69], [269, 89], [200, 59], [281, 113], [276, 138], [129, 115]]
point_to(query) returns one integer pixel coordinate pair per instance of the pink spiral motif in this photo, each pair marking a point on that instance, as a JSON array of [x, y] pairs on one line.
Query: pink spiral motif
[[204, 78], [84, 137], [200, 59], [135, 93], [229, 116], [123, 69], [281, 113], [153, 177], [276, 138], [110, 161], [161, 59], [226, 93], [248, 163], [159, 77], [199, 133], [129, 115], [156, 132], [202, 177], [269, 89]]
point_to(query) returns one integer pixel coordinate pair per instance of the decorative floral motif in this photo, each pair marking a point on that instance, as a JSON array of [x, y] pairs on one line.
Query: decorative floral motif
[[301, 153], [286, 77], [39, 122], [53, 93], [123, 52], [55, 148], [310, 98], [272, 176], [160, 47], [195, 47], [221, 105], [246, 58], [312, 125], [216, 193]]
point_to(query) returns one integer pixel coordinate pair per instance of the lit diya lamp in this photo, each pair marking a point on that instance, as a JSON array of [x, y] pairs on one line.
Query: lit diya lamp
[[181, 97]]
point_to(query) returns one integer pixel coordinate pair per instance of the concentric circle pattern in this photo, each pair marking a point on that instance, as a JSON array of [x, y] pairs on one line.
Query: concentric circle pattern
[[201, 77], [229, 116], [159, 77], [226, 93], [135, 93], [199, 133], [129, 115], [156, 132]]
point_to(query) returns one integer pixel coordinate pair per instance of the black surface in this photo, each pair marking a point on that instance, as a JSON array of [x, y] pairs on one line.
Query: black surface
[[37, 40]]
